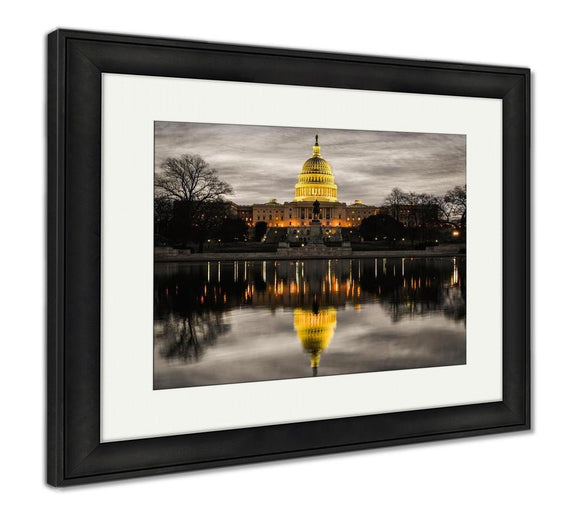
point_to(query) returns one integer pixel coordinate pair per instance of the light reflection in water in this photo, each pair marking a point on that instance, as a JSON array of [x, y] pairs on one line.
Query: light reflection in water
[[215, 323]]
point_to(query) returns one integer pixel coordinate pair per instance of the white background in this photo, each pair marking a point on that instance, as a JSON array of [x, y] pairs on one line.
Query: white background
[[535, 469]]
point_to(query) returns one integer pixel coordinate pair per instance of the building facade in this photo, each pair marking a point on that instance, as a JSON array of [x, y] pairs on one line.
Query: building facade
[[414, 215], [315, 182]]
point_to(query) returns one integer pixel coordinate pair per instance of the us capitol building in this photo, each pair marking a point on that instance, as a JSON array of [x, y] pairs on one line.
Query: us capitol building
[[315, 183]]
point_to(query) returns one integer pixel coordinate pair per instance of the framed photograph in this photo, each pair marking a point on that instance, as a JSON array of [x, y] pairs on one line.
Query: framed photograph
[[261, 253]]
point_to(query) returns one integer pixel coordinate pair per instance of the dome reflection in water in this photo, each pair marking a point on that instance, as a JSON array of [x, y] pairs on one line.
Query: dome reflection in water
[[242, 321]]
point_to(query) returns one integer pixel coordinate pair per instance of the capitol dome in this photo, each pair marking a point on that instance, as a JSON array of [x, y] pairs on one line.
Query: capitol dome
[[315, 330], [316, 180], [316, 165]]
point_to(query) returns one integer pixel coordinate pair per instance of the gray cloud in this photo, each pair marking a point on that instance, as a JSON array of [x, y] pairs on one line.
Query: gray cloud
[[262, 162]]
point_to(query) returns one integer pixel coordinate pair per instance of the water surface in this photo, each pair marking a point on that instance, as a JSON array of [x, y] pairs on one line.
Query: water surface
[[235, 322]]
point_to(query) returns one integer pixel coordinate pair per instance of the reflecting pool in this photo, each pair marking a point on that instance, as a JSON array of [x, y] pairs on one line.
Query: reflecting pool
[[241, 321]]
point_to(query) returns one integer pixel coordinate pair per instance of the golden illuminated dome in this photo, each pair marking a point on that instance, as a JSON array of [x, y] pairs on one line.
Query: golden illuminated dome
[[316, 181], [315, 331], [316, 164]]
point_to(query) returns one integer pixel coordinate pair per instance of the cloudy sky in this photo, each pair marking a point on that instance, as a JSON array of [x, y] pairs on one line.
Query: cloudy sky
[[261, 163]]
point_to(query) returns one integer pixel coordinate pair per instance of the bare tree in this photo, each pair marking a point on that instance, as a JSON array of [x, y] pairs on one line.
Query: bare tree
[[197, 195], [426, 209], [162, 214], [190, 179], [415, 209], [445, 210], [456, 200], [394, 202]]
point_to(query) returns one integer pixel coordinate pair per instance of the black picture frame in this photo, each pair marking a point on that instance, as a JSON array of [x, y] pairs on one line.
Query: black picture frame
[[75, 63]]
